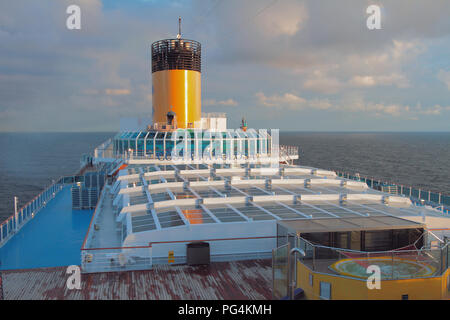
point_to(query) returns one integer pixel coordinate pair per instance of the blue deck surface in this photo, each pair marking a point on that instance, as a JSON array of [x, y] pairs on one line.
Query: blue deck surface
[[53, 238]]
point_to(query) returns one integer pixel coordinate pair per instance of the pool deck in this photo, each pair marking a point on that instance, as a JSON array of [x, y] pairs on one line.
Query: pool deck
[[52, 238], [241, 280]]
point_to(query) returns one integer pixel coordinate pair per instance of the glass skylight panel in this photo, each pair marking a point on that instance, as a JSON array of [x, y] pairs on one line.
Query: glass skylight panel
[[329, 208], [206, 193], [135, 184], [309, 210], [169, 219], [297, 189], [133, 171], [345, 214], [154, 181], [230, 192], [160, 196], [196, 215], [139, 198], [253, 212], [166, 168], [279, 191], [226, 214], [392, 210], [149, 169], [253, 191], [281, 211], [143, 223], [362, 209], [183, 194]]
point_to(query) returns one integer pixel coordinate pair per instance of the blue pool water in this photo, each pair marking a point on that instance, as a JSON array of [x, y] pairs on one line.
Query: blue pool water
[[52, 238]]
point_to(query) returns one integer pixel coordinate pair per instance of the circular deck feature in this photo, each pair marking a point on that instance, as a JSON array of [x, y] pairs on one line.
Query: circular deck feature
[[399, 268]]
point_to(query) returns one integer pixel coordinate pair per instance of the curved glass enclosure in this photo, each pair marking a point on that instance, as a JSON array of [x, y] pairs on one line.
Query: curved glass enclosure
[[194, 144]]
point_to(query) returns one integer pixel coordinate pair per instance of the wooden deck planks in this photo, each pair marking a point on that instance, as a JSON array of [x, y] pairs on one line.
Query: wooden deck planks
[[250, 279]]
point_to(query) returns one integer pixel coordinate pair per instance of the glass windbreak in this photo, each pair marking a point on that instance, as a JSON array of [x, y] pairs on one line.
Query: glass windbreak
[[280, 268]]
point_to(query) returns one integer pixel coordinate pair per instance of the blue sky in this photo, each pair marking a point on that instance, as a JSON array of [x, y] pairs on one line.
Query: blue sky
[[289, 64]]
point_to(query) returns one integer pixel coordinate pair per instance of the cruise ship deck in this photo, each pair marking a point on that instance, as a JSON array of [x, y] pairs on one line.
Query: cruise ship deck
[[152, 212]]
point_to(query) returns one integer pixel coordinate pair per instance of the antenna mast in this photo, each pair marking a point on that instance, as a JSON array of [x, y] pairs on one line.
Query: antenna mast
[[179, 28]]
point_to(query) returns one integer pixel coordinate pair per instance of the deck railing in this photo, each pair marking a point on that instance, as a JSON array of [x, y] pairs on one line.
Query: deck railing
[[430, 261], [16, 221], [144, 257], [102, 153], [418, 196], [104, 150]]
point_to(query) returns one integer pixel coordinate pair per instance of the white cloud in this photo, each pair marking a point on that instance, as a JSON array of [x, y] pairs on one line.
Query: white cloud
[[117, 92], [352, 105], [284, 18], [287, 99], [393, 79], [213, 102], [322, 83], [444, 76], [362, 70]]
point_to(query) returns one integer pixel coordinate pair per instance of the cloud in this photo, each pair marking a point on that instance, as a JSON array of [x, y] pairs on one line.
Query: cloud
[[352, 105], [393, 79], [285, 18], [213, 102], [287, 99], [379, 68], [444, 76], [117, 92], [322, 83]]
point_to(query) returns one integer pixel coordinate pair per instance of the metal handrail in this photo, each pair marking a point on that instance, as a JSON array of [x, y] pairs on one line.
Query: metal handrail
[[395, 252], [358, 251], [371, 182]]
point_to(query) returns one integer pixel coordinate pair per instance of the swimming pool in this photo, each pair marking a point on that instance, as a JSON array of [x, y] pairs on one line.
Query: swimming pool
[[398, 268], [53, 238]]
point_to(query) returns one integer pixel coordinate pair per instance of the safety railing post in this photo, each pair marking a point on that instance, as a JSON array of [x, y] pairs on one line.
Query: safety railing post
[[151, 256], [314, 258], [16, 213], [392, 267]]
